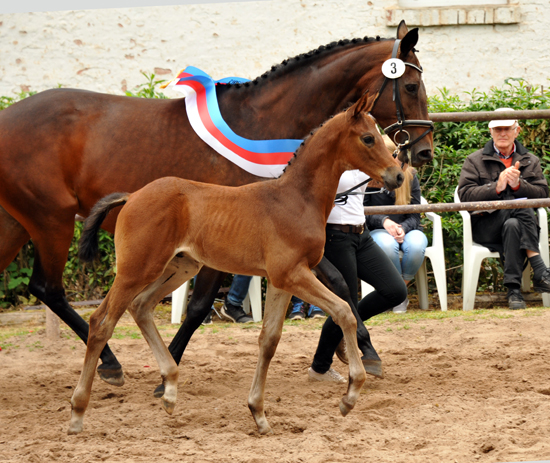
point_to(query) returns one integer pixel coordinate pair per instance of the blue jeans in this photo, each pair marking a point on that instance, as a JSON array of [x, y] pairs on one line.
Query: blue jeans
[[413, 247], [238, 290]]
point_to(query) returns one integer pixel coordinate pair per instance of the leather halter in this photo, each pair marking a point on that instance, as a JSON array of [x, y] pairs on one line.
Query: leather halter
[[401, 121]]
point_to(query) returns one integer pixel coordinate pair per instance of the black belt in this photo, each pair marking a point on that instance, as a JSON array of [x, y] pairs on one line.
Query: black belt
[[347, 228]]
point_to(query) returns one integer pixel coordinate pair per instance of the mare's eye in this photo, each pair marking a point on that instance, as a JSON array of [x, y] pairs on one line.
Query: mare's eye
[[368, 140], [411, 88]]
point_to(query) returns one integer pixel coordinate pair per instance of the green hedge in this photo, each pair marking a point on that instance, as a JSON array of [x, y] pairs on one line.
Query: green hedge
[[452, 143]]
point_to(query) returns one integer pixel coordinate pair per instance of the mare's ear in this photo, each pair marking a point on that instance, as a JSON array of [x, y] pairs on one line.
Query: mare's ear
[[407, 43]]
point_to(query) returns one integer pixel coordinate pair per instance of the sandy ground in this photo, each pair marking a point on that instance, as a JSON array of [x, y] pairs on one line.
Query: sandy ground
[[468, 387]]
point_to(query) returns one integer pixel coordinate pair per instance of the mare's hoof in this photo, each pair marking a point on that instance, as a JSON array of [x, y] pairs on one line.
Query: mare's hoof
[[345, 408], [113, 376], [168, 406], [159, 391], [373, 367]]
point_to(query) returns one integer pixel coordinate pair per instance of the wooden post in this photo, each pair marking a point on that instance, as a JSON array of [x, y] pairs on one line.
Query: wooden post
[[53, 331]]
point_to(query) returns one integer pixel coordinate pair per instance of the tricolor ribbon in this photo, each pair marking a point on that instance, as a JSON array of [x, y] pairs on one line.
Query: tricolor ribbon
[[264, 158]]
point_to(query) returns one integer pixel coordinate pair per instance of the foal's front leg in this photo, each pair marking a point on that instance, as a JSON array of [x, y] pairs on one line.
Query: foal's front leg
[[308, 288], [274, 315]]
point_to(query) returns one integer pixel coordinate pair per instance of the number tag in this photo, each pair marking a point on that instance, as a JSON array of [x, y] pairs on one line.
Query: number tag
[[393, 68]]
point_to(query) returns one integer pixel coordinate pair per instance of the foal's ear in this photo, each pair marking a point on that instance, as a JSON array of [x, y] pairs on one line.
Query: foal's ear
[[364, 104]]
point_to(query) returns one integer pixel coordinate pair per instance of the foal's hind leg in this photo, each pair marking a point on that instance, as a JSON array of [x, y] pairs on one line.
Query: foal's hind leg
[[102, 325], [275, 310], [142, 311], [329, 275]]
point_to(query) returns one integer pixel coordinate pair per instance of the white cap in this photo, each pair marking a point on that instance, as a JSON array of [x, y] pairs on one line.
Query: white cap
[[504, 122]]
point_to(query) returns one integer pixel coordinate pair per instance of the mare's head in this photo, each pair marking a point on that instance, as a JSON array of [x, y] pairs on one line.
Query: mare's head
[[361, 146], [401, 108]]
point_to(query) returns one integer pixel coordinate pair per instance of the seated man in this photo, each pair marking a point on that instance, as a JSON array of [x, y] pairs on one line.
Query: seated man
[[505, 170]]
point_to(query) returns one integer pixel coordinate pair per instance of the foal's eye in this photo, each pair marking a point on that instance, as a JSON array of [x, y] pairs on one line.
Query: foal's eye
[[368, 140], [411, 88]]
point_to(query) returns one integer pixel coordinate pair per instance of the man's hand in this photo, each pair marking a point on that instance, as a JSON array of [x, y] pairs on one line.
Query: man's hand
[[395, 230], [509, 176]]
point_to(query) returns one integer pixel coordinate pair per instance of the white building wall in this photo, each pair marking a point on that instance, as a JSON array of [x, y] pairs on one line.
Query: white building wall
[[105, 50]]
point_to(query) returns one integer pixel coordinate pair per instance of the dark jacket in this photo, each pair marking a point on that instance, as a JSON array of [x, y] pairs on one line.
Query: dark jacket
[[408, 221], [479, 176]]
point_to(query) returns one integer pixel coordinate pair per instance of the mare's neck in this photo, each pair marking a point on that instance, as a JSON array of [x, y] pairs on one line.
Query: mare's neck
[[292, 102]]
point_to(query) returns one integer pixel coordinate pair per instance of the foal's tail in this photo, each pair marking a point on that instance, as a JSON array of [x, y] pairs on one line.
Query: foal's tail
[[88, 244]]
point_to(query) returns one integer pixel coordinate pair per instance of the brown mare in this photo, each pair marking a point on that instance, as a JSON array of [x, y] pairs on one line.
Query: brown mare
[[62, 150], [172, 227]]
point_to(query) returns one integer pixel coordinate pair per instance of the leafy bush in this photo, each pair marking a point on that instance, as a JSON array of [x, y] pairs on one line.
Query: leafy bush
[[452, 143]]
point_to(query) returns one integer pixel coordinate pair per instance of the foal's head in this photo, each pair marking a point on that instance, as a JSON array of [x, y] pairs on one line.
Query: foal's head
[[363, 146]]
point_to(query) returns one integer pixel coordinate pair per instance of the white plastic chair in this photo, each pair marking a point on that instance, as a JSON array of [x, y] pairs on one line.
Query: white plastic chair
[[474, 254], [436, 254], [252, 302]]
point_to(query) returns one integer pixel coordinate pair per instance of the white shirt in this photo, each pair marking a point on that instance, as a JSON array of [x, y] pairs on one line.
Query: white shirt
[[351, 213]]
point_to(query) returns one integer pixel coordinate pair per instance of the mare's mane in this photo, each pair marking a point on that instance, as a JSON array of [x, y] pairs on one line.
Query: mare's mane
[[303, 59]]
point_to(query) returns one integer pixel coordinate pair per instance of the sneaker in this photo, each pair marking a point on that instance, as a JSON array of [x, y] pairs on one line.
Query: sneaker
[[315, 312], [234, 314], [208, 319], [297, 315], [515, 300], [542, 285], [401, 308], [342, 352], [331, 376]]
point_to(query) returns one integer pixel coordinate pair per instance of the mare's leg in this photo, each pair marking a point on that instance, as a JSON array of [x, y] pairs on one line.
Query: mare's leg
[[12, 238], [329, 275], [205, 290], [51, 246], [206, 287], [305, 286], [275, 309]]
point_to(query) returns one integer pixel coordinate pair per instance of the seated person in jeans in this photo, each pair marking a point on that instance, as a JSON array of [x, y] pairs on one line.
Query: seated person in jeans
[[398, 232]]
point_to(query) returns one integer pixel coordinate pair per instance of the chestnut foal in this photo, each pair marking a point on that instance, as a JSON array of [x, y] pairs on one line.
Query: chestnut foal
[[172, 227]]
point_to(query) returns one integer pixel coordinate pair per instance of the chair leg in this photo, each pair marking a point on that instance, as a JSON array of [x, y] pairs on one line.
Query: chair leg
[[179, 302], [253, 300], [440, 276], [470, 278], [365, 289]]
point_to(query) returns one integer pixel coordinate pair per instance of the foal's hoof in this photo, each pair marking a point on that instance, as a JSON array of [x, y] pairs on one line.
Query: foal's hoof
[[345, 408], [373, 367], [113, 376], [168, 406], [159, 391]]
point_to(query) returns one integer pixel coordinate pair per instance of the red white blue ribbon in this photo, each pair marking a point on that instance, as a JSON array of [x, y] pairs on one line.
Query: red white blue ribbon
[[264, 158]]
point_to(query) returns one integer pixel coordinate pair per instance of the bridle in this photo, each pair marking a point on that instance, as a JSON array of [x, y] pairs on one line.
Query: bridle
[[399, 127], [401, 123]]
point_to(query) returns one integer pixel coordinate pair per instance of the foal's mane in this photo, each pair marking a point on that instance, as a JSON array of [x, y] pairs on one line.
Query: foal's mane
[[304, 59]]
